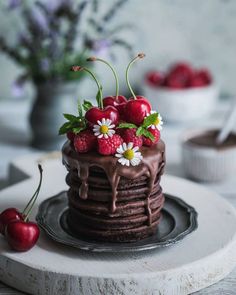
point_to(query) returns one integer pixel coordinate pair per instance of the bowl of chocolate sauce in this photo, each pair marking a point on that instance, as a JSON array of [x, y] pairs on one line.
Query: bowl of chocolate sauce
[[204, 159]]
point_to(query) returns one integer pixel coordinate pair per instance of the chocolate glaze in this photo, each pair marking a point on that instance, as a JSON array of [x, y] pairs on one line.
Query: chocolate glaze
[[208, 139], [96, 181], [153, 157]]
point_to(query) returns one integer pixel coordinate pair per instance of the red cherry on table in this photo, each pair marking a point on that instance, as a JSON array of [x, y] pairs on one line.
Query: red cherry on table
[[94, 114], [137, 109], [21, 235], [118, 103], [7, 216]]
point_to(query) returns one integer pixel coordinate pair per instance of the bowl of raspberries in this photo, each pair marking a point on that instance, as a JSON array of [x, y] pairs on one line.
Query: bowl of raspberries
[[182, 93]]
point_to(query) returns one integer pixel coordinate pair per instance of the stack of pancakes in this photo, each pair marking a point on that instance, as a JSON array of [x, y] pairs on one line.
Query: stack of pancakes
[[137, 213]]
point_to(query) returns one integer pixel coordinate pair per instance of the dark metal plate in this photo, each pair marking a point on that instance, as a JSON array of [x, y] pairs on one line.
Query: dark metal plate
[[178, 220]]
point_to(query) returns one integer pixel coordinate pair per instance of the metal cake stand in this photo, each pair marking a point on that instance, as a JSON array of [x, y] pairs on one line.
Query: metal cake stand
[[178, 220]]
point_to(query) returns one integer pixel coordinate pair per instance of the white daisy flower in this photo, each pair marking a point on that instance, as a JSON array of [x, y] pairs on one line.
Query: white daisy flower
[[128, 154], [104, 128], [159, 122]]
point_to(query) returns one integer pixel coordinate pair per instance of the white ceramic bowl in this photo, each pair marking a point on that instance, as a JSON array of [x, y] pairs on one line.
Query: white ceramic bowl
[[207, 163], [185, 105]]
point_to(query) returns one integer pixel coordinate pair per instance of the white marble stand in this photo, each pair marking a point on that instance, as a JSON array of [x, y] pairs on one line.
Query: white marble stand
[[201, 259]]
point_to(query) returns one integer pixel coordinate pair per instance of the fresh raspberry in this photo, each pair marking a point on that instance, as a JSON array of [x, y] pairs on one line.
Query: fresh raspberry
[[156, 133], [154, 78], [85, 141], [129, 135], [70, 135], [108, 146]]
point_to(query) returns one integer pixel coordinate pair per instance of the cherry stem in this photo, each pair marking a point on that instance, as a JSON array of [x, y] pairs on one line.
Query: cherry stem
[[100, 98], [113, 71], [139, 56], [33, 199]]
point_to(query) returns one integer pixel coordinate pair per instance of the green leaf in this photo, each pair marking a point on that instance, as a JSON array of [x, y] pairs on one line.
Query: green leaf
[[148, 134], [127, 125], [143, 131], [70, 117], [80, 109], [151, 119], [87, 105], [77, 130], [65, 128], [139, 131]]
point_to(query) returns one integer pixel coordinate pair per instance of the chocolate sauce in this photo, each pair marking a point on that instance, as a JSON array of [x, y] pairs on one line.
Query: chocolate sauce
[[208, 139], [151, 166]]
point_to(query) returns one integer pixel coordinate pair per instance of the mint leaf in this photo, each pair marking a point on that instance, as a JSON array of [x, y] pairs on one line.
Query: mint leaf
[[70, 117], [150, 120], [143, 131], [77, 130], [139, 131], [80, 110], [87, 105], [65, 128], [127, 125], [148, 134]]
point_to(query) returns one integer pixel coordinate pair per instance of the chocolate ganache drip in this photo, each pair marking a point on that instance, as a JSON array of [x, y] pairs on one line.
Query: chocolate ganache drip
[[96, 180]]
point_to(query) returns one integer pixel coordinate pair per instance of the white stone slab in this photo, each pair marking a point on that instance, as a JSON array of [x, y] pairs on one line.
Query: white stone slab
[[201, 259]]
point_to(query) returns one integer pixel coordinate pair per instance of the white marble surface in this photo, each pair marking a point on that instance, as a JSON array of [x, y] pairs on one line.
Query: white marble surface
[[13, 143]]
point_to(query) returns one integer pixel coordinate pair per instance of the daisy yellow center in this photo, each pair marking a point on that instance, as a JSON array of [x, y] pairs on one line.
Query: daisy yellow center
[[129, 154], [157, 121], [104, 129]]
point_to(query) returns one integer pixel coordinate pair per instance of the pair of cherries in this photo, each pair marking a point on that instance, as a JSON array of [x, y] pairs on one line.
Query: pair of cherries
[[117, 107], [20, 233], [132, 110]]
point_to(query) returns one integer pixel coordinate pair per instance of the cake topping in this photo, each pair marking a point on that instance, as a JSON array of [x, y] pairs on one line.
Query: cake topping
[[157, 124], [128, 154], [116, 126], [104, 128]]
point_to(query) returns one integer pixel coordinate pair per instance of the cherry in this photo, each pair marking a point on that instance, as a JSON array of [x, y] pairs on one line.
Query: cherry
[[94, 114], [154, 78], [8, 215], [137, 107], [117, 101], [22, 235]]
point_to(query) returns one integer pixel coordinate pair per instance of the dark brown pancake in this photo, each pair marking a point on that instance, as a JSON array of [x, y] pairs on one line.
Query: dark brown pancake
[[111, 202]]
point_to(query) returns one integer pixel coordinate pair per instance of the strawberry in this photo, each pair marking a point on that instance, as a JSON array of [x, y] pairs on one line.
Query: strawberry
[[129, 135], [85, 141], [108, 146], [156, 133]]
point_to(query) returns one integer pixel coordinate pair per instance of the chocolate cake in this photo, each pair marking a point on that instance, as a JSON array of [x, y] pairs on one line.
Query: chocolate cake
[[115, 158], [111, 202]]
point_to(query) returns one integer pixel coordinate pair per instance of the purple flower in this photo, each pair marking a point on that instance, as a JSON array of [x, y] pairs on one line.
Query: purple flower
[[54, 5], [39, 20], [101, 47], [18, 88], [12, 4]]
